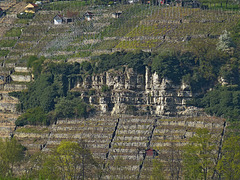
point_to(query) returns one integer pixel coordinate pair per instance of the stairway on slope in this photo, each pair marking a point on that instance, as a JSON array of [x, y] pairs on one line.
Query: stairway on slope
[[131, 141]]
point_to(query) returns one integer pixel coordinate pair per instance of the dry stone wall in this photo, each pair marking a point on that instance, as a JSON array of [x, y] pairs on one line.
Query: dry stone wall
[[21, 78], [121, 141], [8, 114]]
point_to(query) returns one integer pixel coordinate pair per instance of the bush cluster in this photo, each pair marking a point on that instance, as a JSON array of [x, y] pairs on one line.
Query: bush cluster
[[25, 15]]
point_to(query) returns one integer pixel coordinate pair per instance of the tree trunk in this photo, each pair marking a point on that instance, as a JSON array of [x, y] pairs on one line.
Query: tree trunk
[[226, 3]]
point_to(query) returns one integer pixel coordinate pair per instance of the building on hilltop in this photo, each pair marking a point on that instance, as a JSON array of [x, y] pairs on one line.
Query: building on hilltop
[[88, 16], [61, 19], [151, 152], [116, 14], [58, 19], [31, 8]]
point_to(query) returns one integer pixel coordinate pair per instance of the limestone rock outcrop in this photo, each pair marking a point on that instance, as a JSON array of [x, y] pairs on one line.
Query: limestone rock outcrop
[[128, 92]]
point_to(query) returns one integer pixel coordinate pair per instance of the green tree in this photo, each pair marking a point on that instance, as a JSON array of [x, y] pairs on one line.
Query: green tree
[[157, 171], [229, 165], [167, 65], [119, 168], [11, 153], [36, 64], [70, 160], [68, 108], [32, 116], [222, 101], [199, 156], [225, 42]]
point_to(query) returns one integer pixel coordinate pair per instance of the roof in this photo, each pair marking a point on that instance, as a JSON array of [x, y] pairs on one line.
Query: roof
[[38, 2], [89, 13], [34, 5], [31, 5], [151, 152], [119, 12], [58, 16]]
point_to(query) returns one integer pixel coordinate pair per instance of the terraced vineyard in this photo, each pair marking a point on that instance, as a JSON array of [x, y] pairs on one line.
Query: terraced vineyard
[[139, 27], [120, 142]]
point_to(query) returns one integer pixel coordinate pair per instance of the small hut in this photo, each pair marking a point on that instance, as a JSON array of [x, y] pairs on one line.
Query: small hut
[[151, 152], [88, 16], [31, 8], [116, 14]]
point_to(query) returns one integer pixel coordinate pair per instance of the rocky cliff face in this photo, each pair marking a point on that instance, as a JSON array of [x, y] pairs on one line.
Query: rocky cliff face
[[127, 92]]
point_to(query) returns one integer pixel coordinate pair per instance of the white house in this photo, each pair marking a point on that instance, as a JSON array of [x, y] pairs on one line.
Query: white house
[[88, 16], [39, 3], [58, 19], [132, 1]]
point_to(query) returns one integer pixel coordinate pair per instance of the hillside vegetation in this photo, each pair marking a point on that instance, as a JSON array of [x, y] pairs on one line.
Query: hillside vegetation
[[65, 124]]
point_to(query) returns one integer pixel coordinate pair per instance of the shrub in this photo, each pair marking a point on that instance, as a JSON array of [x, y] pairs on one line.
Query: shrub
[[167, 66], [14, 32], [68, 108], [105, 88], [25, 15], [33, 116]]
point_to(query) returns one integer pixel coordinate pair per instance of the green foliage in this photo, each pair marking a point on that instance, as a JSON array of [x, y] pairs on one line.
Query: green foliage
[[11, 153], [157, 171], [199, 156], [221, 4], [167, 65], [131, 109], [229, 164], [47, 97], [120, 168], [68, 108], [26, 15], [4, 52], [70, 160], [32, 130], [30, 61], [225, 42], [105, 88], [222, 101], [29, 1], [86, 66], [91, 92], [13, 32], [33, 116], [83, 54], [103, 2], [235, 35], [208, 59], [42, 93], [230, 72], [173, 65], [36, 64], [7, 43], [65, 5], [136, 60]]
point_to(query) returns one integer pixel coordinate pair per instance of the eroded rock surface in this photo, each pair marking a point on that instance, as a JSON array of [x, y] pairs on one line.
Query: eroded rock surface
[[128, 92]]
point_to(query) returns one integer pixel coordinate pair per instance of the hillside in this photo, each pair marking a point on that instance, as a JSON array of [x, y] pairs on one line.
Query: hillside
[[145, 27], [127, 90]]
